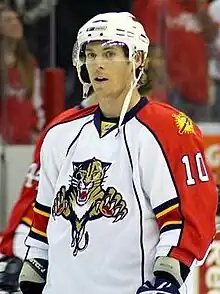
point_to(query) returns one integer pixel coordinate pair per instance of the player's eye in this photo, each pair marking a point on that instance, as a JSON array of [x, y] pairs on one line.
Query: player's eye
[[110, 54], [90, 55]]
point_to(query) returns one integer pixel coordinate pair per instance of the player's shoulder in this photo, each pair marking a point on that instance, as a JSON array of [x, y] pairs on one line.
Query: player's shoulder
[[70, 115], [73, 116], [167, 123]]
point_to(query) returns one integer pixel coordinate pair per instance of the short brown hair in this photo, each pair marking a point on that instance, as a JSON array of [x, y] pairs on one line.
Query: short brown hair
[[145, 82]]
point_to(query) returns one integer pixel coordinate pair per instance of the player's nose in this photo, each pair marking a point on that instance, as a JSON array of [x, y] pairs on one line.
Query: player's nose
[[99, 62]]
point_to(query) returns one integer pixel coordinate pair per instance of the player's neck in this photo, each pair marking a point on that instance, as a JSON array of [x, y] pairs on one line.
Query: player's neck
[[111, 107], [91, 100]]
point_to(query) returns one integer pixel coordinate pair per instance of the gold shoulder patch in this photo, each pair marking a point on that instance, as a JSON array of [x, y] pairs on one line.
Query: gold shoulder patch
[[184, 123]]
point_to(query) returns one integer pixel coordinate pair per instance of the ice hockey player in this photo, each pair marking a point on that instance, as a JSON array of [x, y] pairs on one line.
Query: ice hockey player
[[124, 186]]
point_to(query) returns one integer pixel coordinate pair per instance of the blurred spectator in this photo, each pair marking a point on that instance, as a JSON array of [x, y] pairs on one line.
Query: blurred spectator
[[38, 28], [33, 10], [214, 11], [181, 31], [22, 115]]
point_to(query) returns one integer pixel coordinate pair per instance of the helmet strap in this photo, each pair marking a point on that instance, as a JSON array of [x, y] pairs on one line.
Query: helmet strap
[[132, 87]]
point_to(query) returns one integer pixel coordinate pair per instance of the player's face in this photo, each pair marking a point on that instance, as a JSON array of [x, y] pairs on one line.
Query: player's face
[[109, 70]]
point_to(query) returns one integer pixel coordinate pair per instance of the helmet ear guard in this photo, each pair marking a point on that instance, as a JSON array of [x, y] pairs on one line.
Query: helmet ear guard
[[78, 60], [84, 74]]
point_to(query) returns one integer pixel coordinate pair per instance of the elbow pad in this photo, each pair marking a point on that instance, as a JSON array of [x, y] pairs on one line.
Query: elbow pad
[[33, 276], [171, 269]]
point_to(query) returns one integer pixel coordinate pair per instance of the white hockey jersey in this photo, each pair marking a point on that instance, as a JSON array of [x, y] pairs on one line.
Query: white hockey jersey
[[108, 205]]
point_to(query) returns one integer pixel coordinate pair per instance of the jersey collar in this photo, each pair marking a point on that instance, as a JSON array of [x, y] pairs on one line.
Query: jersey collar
[[99, 117]]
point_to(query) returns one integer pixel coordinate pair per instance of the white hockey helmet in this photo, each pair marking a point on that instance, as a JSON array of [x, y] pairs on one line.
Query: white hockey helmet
[[118, 27]]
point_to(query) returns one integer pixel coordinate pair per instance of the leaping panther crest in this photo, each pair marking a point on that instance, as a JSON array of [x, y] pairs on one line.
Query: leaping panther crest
[[86, 190]]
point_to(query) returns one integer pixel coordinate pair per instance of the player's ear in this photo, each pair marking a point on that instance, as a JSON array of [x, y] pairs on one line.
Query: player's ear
[[138, 59]]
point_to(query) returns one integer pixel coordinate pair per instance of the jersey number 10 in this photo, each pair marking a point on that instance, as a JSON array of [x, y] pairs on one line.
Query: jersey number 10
[[200, 166]]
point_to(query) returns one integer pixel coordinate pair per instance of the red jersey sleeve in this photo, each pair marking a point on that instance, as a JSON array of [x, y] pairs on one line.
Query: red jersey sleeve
[[183, 193], [22, 211]]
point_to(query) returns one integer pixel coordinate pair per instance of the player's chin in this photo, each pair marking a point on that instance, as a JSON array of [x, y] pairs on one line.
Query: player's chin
[[103, 90]]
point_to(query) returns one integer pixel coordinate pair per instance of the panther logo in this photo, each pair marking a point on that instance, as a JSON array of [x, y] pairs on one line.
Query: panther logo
[[86, 191]]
